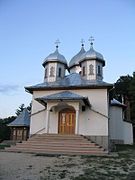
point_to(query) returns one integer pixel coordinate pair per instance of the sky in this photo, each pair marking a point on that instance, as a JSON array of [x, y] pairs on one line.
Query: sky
[[29, 29]]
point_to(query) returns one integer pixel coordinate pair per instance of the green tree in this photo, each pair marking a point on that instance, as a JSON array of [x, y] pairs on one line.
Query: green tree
[[124, 91], [20, 109], [4, 129]]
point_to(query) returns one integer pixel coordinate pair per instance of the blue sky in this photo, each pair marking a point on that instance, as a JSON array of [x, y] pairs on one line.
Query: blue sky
[[29, 28]]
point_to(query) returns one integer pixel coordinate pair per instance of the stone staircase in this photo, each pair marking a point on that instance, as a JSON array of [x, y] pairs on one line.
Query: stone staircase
[[58, 144]]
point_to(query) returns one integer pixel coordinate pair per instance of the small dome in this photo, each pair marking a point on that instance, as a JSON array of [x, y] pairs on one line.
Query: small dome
[[53, 57], [75, 60], [92, 54]]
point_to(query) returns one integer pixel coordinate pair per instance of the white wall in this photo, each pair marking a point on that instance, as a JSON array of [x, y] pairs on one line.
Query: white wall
[[119, 129], [128, 133], [90, 122]]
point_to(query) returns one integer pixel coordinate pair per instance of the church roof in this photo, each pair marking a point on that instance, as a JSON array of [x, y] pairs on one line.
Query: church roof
[[92, 54], [66, 95], [22, 120], [75, 60], [53, 57], [115, 102], [71, 81]]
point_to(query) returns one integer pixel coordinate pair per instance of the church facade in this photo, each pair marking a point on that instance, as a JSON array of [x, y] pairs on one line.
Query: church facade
[[76, 103]]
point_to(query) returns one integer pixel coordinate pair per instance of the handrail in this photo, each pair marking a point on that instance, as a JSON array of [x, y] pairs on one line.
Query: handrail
[[38, 112], [37, 132], [99, 113]]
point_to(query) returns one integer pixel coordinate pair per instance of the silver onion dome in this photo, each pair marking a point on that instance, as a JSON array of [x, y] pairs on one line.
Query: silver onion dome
[[55, 57], [75, 60], [92, 54]]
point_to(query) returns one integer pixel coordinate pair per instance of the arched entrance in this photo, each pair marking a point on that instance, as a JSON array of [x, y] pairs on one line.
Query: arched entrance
[[66, 123]]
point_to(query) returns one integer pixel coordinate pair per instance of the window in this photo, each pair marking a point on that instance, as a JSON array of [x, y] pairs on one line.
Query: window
[[46, 73], [59, 73], [52, 71], [99, 70], [83, 71], [91, 69]]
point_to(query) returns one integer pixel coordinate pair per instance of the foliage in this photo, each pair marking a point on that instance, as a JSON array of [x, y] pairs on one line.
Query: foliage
[[4, 129], [21, 108], [124, 91]]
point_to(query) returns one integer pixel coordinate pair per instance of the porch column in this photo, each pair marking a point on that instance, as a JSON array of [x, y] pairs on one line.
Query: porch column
[[77, 122], [47, 121]]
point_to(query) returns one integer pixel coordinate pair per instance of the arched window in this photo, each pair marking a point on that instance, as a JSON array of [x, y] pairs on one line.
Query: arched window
[[46, 73], [52, 71], [59, 72], [99, 72], [91, 69], [83, 71]]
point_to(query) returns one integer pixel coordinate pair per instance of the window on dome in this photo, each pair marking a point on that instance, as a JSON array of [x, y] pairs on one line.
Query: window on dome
[[59, 72], [83, 70], [99, 72], [91, 69], [46, 73], [52, 71]]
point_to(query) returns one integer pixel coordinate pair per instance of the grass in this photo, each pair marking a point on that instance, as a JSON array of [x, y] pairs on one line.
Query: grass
[[2, 146], [121, 167]]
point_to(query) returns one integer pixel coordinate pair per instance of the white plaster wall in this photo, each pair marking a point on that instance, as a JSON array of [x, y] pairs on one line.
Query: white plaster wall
[[116, 123], [128, 133], [119, 129], [90, 123]]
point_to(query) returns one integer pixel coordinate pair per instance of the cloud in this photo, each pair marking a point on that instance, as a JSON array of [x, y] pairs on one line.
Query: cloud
[[4, 89]]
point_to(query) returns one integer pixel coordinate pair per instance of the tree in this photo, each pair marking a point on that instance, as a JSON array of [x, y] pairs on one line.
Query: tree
[[124, 91], [21, 108], [4, 129]]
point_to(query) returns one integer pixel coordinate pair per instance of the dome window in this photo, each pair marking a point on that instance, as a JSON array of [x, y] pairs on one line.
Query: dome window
[[91, 69], [83, 71], [99, 73], [46, 73], [52, 71], [59, 72]]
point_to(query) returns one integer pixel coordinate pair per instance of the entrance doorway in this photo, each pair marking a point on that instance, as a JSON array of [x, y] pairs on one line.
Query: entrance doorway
[[66, 124]]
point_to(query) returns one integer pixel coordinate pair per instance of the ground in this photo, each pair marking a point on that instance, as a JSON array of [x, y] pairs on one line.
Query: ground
[[22, 166]]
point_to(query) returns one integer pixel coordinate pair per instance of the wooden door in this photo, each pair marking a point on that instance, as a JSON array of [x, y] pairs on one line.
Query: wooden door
[[66, 123]]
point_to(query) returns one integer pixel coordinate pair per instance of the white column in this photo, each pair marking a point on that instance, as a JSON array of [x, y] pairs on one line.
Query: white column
[[47, 121], [77, 122]]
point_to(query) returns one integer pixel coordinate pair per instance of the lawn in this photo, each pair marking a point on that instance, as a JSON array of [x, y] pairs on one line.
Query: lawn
[[119, 167]]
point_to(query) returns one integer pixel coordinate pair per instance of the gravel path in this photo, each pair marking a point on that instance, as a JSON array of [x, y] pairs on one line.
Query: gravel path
[[22, 166]]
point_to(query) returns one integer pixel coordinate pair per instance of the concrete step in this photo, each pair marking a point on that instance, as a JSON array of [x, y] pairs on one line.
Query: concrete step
[[58, 147], [57, 144], [60, 152]]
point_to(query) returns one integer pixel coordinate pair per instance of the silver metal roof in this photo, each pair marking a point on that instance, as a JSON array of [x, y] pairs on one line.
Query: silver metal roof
[[66, 95], [22, 120], [73, 80], [56, 56], [75, 60], [92, 54], [115, 102]]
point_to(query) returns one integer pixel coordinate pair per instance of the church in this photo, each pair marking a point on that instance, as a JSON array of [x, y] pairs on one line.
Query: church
[[78, 102]]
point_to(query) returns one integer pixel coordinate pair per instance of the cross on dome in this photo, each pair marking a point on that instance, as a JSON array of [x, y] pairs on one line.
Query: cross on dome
[[91, 39], [82, 42], [57, 42]]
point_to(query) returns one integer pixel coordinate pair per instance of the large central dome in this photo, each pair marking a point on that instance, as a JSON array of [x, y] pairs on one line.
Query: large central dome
[[55, 57]]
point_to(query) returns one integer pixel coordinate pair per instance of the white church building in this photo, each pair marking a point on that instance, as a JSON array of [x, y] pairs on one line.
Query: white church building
[[78, 102]]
